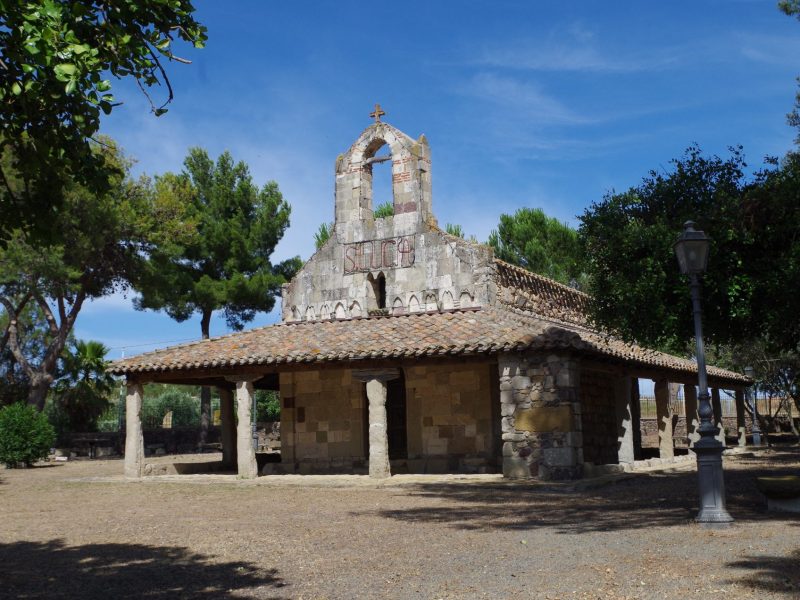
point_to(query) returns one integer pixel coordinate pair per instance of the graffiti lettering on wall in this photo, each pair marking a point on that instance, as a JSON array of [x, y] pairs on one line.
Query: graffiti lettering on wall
[[372, 255]]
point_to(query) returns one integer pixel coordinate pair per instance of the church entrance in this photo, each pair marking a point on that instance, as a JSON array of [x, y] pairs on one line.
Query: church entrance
[[397, 430]]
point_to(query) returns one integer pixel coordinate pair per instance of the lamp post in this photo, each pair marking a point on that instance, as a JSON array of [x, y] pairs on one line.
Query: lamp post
[[692, 252], [750, 373]]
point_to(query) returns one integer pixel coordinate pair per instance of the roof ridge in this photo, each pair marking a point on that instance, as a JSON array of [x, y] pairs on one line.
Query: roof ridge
[[525, 272]]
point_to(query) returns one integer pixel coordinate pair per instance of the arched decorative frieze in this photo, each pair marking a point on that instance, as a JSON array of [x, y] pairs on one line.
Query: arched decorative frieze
[[430, 301], [340, 312], [295, 314], [447, 301], [310, 314], [413, 304], [325, 312], [355, 310], [465, 300], [397, 307]]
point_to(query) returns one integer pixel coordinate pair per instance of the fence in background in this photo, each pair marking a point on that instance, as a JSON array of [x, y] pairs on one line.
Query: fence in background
[[765, 406]]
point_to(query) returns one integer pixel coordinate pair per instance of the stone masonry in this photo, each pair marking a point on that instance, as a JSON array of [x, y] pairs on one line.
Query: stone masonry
[[399, 264], [541, 417]]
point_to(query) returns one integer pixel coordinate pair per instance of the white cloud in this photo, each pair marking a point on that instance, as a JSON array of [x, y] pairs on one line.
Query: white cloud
[[522, 101], [575, 48]]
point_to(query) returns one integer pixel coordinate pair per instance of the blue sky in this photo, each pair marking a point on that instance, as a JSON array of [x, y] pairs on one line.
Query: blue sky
[[539, 104]]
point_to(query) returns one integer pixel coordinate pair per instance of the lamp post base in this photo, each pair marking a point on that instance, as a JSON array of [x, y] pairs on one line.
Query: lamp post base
[[711, 483]]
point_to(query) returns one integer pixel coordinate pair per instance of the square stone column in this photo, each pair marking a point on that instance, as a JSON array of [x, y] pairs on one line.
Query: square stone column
[[664, 417], [134, 438], [622, 396], [540, 416], [228, 427], [716, 404], [741, 427], [636, 416], [692, 421], [245, 453]]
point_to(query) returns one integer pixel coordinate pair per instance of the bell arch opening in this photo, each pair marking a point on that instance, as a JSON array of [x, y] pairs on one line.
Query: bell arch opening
[[378, 176]]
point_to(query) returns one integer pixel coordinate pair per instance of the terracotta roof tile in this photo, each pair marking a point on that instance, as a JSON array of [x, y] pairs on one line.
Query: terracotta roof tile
[[454, 333]]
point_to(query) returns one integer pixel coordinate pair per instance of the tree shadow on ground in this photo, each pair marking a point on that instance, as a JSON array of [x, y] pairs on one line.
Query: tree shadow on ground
[[643, 501], [775, 574], [54, 570]]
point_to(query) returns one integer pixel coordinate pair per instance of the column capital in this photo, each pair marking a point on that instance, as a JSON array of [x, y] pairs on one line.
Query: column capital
[[242, 378], [379, 374]]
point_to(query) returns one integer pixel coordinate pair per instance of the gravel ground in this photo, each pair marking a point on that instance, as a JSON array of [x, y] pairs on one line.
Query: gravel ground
[[78, 530]]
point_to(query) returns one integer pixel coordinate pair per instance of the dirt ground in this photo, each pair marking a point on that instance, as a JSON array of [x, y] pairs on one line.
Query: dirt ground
[[78, 530]]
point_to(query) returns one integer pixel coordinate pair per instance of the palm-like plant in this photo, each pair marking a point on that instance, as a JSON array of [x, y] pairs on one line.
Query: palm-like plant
[[84, 386]]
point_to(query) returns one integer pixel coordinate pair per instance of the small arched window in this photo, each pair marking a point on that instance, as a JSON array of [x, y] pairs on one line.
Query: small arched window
[[378, 289]]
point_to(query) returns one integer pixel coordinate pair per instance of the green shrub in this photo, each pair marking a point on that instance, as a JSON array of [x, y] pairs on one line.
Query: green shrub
[[184, 406], [383, 210], [25, 435]]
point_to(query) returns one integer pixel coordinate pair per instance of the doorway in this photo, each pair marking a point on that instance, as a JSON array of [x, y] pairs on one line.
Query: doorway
[[396, 419]]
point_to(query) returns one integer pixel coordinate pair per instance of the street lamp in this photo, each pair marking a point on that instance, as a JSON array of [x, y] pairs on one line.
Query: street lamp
[[750, 373], [692, 252]]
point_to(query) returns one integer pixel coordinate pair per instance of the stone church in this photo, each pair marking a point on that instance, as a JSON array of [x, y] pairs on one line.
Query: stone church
[[403, 349]]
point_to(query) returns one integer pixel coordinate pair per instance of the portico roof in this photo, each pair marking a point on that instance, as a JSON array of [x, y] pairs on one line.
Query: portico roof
[[468, 332]]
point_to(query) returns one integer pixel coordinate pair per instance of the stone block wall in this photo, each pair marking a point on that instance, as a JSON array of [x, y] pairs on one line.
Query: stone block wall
[[540, 416], [421, 268], [322, 421], [449, 418], [598, 417]]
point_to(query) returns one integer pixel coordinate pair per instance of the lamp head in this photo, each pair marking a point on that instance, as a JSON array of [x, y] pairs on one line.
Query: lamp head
[[692, 250]]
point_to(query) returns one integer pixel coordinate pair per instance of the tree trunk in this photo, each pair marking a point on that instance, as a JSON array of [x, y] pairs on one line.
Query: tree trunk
[[37, 394], [205, 392]]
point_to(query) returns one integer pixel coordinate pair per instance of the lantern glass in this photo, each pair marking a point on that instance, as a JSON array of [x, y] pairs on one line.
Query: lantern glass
[[692, 250]]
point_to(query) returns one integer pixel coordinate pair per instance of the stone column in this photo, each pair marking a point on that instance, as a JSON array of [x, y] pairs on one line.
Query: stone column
[[379, 467], [692, 421], [228, 427], [134, 439], [622, 394], [741, 427], [245, 453], [665, 447], [636, 418], [378, 438], [716, 404]]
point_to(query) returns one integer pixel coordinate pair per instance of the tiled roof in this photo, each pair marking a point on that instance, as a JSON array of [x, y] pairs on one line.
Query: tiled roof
[[453, 333], [527, 291]]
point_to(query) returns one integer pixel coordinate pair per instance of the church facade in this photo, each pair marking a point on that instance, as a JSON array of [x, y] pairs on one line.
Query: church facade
[[403, 349]]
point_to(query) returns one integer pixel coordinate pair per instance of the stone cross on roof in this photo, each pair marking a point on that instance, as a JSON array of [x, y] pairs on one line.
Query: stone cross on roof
[[377, 113]]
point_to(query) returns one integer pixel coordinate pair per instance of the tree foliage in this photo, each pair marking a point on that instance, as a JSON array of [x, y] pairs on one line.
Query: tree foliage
[[83, 389], [226, 266], [748, 291], [268, 406], [57, 60], [104, 240], [542, 244]]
